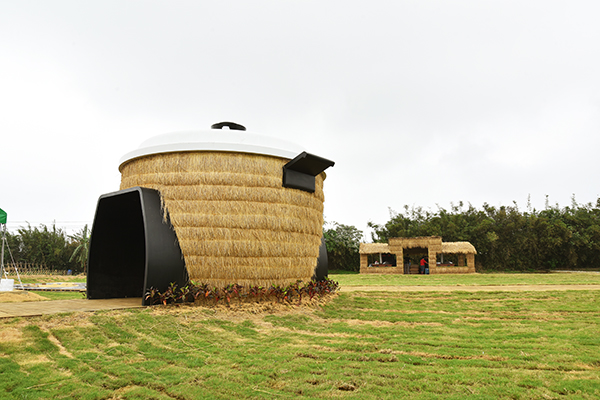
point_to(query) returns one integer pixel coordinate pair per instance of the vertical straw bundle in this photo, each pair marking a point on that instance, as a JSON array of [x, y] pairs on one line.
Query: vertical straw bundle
[[234, 220]]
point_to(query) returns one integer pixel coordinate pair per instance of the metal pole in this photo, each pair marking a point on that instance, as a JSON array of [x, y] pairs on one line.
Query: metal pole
[[2, 272]]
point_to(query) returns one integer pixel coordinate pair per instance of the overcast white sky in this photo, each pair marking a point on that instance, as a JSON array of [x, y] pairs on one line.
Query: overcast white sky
[[418, 102]]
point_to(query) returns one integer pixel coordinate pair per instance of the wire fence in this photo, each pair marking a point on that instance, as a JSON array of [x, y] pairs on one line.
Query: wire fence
[[33, 269]]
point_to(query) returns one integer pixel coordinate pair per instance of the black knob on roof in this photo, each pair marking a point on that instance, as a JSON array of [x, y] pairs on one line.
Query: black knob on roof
[[230, 125]]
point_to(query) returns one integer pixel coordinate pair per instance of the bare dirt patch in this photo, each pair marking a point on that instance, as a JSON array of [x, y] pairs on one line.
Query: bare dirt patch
[[61, 321], [387, 323], [10, 335], [483, 356], [240, 311], [20, 296], [61, 349], [33, 359]]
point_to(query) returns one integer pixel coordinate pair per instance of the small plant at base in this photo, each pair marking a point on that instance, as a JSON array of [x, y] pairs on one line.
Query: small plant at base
[[199, 291], [295, 289], [278, 292], [169, 295], [258, 292], [232, 290], [182, 296], [153, 295], [311, 289], [194, 292], [214, 293]]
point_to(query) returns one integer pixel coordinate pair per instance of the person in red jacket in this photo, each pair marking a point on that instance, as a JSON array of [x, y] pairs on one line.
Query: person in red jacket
[[422, 265]]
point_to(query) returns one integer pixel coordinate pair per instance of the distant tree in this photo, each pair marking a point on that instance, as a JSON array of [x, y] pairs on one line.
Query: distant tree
[[507, 238], [12, 247], [42, 246], [80, 254], [343, 243]]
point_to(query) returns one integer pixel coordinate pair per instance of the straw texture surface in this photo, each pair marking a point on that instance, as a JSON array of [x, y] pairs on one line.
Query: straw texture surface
[[234, 220]]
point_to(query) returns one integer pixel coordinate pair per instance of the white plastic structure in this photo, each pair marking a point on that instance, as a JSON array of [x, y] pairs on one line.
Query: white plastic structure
[[228, 140], [7, 285]]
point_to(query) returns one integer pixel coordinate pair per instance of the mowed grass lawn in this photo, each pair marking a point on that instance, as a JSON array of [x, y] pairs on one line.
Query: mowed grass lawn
[[487, 279], [54, 295], [486, 345]]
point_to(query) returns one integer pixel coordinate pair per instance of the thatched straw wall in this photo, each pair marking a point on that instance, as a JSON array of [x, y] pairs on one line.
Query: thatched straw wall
[[452, 270], [415, 242], [382, 270], [234, 220]]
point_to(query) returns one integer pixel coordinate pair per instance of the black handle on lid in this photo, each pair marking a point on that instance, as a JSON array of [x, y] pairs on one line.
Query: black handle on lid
[[230, 125]]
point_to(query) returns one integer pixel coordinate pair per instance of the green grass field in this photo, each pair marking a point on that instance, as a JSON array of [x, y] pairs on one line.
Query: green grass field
[[61, 295], [50, 278], [448, 345], [54, 295], [585, 278]]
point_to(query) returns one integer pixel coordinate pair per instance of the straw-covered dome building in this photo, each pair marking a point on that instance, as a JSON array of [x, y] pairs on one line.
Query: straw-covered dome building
[[245, 208], [235, 220]]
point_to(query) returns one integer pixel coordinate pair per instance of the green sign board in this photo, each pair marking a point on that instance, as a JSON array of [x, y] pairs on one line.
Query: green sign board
[[2, 216]]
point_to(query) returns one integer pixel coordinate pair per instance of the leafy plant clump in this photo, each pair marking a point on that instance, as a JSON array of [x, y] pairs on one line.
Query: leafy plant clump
[[194, 292]]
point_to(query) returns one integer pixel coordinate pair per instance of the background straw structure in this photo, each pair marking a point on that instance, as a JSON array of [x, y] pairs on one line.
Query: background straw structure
[[234, 220]]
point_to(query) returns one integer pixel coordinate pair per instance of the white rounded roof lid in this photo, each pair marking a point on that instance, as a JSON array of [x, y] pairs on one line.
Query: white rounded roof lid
[[231, 140]]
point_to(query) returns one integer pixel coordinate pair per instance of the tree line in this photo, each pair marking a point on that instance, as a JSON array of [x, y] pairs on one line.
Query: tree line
[[506, 238], [48, 247]]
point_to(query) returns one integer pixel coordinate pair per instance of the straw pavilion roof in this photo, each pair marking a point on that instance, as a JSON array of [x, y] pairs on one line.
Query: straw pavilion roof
[[458, 248], [447, 247], [374, 248]]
